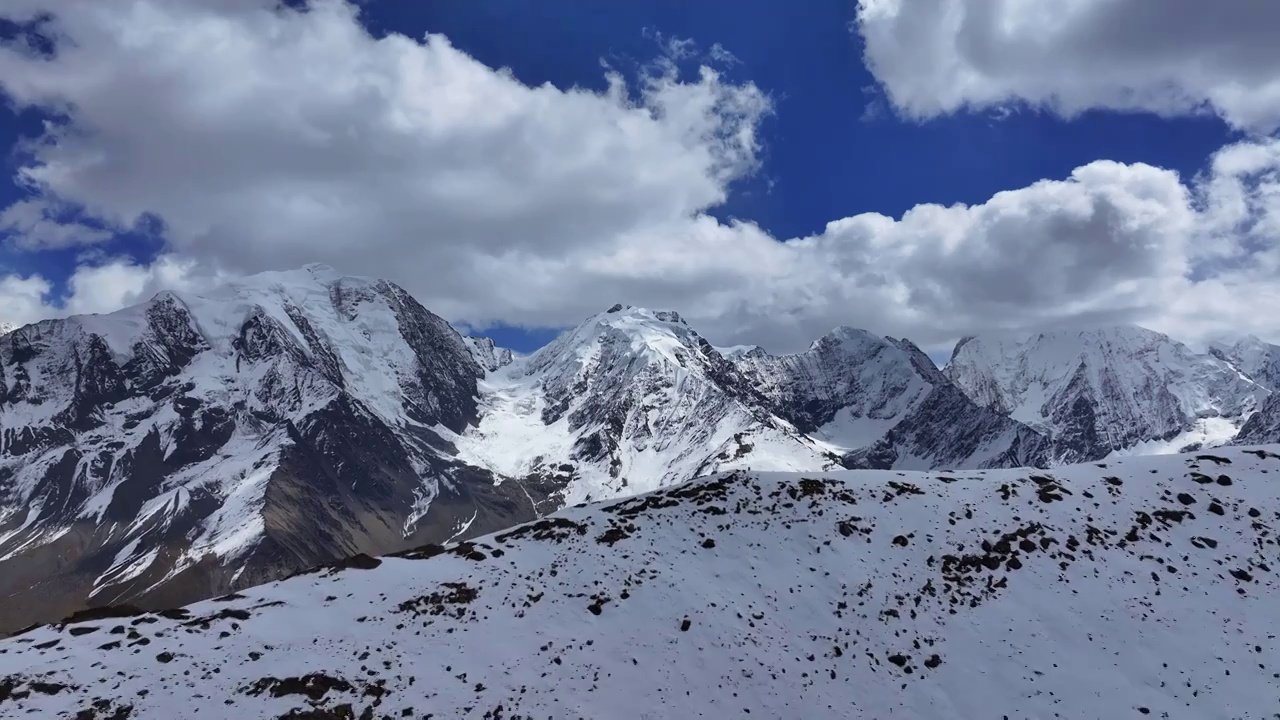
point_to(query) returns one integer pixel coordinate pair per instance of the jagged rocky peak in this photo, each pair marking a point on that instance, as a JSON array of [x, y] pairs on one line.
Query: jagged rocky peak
[[847, 371], [200, 442], [487, 353], [1258, 359], [1101, 390], [882, 403], [630, 400]]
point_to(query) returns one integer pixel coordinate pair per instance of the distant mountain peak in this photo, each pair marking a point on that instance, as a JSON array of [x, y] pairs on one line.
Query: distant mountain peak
[[1101, 390], [883, 403]]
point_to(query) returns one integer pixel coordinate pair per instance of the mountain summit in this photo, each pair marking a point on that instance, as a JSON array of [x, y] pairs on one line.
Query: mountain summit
[[882, 403], [195, 444], [630, 400], [1104, 390]]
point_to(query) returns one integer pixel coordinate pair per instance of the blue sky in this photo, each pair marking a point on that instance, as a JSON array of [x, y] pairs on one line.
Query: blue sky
[[839, 139], [833, 147]]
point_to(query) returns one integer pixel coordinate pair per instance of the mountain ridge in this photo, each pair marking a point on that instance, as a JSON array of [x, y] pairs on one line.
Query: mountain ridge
[[1105, 390], [197, 444]]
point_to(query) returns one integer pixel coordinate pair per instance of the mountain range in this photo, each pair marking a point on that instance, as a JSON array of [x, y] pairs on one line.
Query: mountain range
[[195, 445], [1136, 587]]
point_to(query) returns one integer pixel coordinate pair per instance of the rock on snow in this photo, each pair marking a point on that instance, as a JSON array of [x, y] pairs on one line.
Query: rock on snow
[[1139, 587]]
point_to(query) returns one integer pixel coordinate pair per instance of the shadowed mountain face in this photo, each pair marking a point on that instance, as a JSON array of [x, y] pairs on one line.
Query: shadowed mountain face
[[185, 448]]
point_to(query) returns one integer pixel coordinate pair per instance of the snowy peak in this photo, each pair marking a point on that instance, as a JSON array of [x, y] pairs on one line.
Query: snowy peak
[[198, 443], [630, 400], [611, 352], [883, 403], [623, 332], [1103, 390], [1253, 357]]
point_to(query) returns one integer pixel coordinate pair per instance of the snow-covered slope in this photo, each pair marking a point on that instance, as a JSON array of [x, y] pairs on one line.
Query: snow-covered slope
[[1261, 362], [1263, 426], [1256, 358], [194, 444], [882, 403], [1106, 390], [6, 328], [629, 401], [1144, 587]]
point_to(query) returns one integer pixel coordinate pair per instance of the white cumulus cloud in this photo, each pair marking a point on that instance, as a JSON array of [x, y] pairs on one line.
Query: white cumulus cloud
[[1172, 57], [262, 137]]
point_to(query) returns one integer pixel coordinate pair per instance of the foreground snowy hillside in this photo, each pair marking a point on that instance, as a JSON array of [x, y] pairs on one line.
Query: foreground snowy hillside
[[1143, 587]]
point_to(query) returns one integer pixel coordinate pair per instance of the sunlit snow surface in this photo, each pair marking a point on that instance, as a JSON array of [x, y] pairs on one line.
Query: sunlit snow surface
[[1136, 587], [645, 370], [1137, 383]]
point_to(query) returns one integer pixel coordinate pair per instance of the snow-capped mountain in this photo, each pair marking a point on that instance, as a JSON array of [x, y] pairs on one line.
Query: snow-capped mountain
[[629, 401], [1255, 358], [1145, 587], [1263, 426], [882, 403], [1117, 389], [193, 445], [6, 328]]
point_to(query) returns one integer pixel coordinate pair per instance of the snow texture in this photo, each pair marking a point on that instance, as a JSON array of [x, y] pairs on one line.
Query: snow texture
[[880, 402], [1098, 391], [629, 401], [212, 441], [1143, 587]]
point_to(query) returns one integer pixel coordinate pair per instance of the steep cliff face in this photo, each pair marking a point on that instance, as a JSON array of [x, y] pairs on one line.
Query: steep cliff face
[[882, 403], [1119, 389], [192, 445], [1258, 360], [1263, 426]]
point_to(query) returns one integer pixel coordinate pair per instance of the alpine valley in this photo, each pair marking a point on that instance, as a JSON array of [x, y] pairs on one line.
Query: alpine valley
[[196, 445]]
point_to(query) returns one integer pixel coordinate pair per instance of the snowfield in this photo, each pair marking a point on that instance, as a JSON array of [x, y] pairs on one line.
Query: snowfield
[[1133, 587]]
